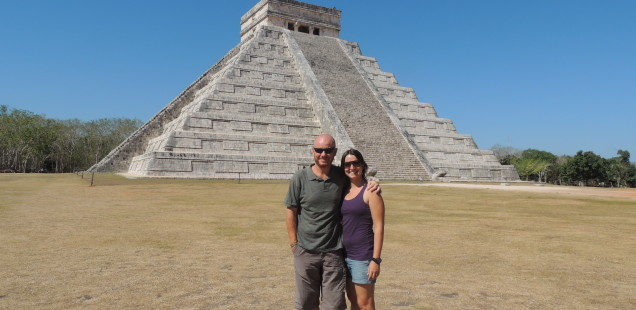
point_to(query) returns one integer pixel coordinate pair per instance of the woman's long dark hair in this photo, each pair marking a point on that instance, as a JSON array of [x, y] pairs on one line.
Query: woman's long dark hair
[[358, 156]]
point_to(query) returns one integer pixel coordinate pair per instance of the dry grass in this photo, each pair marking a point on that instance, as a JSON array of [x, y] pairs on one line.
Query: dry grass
[[184, 244]]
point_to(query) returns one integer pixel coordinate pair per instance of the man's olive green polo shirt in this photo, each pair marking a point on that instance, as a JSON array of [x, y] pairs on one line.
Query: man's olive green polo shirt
[[318, 202]]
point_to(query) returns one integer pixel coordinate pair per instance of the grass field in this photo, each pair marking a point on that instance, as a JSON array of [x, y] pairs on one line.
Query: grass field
[[195, 244]]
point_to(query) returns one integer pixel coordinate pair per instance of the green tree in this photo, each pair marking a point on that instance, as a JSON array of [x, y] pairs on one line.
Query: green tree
[[103, 135], [23, 139], [32, 143], [549, 165], [585, 168], [620, 171], [528, 167]]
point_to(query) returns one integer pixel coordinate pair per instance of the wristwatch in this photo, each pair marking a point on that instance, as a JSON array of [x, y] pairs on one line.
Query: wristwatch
[[377, 260]]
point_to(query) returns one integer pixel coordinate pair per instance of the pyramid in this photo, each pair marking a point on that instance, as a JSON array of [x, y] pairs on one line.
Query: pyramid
[[255, 113]]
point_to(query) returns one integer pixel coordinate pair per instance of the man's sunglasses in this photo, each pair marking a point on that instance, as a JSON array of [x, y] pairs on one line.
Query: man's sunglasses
[[327, 150], [352, 163]]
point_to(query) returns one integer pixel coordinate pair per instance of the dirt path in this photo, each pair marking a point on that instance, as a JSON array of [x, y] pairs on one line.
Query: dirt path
[[629, 193]]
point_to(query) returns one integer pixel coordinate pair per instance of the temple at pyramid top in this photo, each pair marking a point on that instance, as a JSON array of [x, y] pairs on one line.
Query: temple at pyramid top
[[292, 15], [255, 113]]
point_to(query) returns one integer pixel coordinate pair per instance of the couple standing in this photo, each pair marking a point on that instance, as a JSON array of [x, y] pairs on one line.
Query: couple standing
[[331, 209]]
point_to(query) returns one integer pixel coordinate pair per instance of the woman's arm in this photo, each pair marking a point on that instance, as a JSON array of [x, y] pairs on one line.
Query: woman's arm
[[376, 204]]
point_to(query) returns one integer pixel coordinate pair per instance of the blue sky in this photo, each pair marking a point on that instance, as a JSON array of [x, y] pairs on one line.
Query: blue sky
[[556, 75]]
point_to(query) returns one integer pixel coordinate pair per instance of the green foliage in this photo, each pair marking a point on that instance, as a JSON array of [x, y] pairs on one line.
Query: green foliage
[[527, 167], [585, 168], [621, 172], [34, 143], [540, 155]]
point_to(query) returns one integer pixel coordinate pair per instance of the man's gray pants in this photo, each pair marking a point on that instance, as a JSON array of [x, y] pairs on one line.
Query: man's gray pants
[[318, 272]]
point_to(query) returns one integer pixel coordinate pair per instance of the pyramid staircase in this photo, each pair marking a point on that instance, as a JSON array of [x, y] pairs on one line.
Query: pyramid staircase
[[363, 117], [255, 113]]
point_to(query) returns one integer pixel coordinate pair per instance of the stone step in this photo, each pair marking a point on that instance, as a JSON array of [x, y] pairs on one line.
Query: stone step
[[188, 165], [264, 69], [254, 86], [358, 109], [208, 119], [214, 100]]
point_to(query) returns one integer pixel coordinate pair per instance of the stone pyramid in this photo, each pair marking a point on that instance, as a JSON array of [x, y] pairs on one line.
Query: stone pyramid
[[255, 113]]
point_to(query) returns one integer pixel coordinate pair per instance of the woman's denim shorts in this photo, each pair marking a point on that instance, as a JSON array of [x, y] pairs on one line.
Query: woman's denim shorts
[[358, 270]]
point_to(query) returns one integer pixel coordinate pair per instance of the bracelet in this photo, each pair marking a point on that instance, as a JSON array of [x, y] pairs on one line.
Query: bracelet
[[291, 245]]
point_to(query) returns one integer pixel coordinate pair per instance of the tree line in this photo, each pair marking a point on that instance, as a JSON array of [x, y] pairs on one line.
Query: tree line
[[582, 169], [33, 143]]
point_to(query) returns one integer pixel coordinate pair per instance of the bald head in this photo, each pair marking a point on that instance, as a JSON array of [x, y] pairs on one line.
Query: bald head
[[324, 151], [324, 141]]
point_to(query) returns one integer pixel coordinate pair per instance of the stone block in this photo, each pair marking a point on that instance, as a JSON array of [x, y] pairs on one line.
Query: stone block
[[258, 147], [257, 75], [226, 88], [195, 122], [278, 93], [213, 105], [276, 128], [260, 128], [246, 107], [481, 173], [229, 166], [276, 110], [305, 113], [164, 164], [236, 145], [241, 126], [282, 168], [187, 143], [292, 112], [211, 146], [241, 90], [301, 150], [290, 94], [258, 168], [278, 147]]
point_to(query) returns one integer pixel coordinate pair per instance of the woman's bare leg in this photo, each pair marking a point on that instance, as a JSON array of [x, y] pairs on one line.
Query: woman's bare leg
[[363, 296]]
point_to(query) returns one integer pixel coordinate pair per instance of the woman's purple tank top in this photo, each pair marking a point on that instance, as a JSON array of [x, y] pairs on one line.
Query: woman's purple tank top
[[357, 228]]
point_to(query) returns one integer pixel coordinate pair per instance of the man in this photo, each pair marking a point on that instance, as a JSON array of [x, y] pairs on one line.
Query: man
[[313, 225]]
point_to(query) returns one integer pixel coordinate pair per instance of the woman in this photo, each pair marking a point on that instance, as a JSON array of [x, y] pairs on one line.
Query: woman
[[363, 232]]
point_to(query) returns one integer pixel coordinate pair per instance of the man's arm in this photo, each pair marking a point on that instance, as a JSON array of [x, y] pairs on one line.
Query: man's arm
[[373, 182], [292, 226]]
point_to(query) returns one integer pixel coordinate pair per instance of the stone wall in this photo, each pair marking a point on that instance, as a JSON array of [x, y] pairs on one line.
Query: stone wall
[[253, 120], [119, 159]]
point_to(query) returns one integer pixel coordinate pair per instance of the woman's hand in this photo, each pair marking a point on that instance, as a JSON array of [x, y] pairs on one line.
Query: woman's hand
[[374, 271]]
